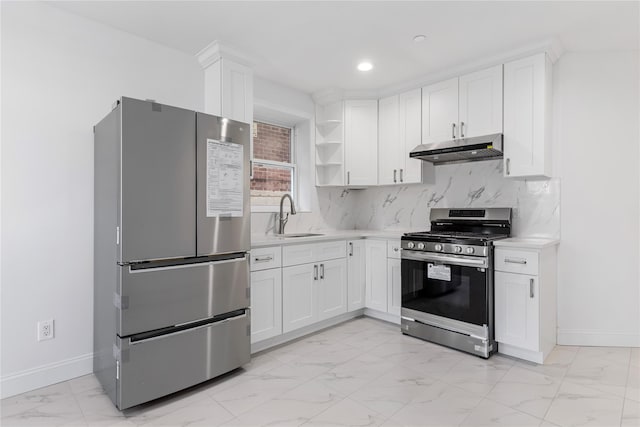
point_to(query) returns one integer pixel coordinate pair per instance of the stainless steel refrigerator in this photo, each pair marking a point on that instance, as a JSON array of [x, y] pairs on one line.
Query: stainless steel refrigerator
[[172, 235]]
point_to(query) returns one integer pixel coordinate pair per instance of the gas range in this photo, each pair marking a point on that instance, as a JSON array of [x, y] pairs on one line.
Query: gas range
[[447, 278]]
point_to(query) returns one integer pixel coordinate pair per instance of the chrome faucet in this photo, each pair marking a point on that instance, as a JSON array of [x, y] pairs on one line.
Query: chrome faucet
[[282, 220]]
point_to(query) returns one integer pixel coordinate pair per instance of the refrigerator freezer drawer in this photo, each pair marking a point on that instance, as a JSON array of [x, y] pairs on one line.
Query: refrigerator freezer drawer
[[157, 298], [165, 364]]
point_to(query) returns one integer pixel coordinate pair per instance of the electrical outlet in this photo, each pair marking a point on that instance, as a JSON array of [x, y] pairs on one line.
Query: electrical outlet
[[45, 330]]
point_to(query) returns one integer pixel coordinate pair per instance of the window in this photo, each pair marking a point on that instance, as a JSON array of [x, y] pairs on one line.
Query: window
[[274, 170]]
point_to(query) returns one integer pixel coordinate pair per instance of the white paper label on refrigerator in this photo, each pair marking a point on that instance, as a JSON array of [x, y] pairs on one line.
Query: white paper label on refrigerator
[[224, 179], [439, 272]]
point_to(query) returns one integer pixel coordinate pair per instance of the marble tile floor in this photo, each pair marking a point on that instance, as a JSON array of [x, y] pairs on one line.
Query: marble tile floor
[[364, 372]]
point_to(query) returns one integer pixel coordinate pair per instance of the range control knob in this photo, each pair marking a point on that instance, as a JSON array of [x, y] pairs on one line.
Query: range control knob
[[458, 249], [420, 245], [411, 245], [438, 247], [469, 250]]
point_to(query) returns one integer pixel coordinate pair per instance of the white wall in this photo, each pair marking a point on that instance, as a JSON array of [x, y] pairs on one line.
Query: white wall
[[60, 75], [321, 208], [597, 160]]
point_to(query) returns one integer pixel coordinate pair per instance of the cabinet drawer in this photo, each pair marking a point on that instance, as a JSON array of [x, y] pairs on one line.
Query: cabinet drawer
[[393, 249], [516, 261], [330, 250], [266, 258], [313, 252]]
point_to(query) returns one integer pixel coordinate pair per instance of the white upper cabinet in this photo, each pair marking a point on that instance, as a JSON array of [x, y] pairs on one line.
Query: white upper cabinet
[[462, 107], [410, 104], [399, 132], [480, 105], [527, 109], [389, 147], [440, 111], [361, 142]]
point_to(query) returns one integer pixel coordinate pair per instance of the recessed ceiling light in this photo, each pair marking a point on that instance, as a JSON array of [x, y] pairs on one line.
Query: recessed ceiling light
[[419, 38], [365, 66]]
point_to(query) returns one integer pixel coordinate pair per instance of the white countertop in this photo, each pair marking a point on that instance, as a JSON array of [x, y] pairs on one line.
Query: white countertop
[[524, 242], [261, 240]]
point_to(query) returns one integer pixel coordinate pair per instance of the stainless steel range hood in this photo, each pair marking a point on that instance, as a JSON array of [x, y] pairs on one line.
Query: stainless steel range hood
[[460, 150]]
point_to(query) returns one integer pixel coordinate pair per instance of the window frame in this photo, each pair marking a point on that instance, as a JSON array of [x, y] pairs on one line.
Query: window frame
[[274, 163]]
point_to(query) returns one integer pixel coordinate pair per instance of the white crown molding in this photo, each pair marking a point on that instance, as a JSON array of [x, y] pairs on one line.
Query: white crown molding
[[552, 47], [216, 51], [327, 96]]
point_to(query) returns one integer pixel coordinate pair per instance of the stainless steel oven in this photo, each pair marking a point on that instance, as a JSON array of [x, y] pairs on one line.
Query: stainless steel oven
[[447, 280]]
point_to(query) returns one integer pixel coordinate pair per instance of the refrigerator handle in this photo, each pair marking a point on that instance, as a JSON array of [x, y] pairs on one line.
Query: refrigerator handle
[[185, 265]]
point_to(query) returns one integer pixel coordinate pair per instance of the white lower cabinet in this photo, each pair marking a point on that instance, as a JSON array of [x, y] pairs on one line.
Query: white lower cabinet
[[376, 264], [356, 274], [394, 288], [299, 296], [266, 304], [525, 301], [383, 288], [332, 288], [316, 290], [517, 310]]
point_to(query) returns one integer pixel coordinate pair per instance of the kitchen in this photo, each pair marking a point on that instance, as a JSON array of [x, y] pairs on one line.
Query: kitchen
[[65, 71]]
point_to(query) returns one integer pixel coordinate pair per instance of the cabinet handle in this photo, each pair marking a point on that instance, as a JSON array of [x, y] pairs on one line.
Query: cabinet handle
[[453, 130], [530, 288], [461, 129], [321, 271], [348, 177], [508, 161], [515, 261], [401, 179], [315, 272], [394, 176], [263, 258], [250, 169], [350, 248]]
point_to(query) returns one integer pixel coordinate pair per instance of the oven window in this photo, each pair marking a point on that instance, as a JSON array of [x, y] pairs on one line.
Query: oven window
[[445, 290]]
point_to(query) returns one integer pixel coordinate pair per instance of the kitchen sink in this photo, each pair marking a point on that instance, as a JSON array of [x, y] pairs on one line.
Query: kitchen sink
[[299, 234]]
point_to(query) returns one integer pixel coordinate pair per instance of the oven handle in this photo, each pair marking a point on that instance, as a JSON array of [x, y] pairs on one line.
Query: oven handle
[[448, 259]]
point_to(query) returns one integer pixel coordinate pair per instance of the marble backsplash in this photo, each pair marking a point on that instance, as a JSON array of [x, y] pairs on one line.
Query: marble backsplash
[[535, 203]]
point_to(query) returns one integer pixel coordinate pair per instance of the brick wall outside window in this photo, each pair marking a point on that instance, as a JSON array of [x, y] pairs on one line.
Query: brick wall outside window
[[270, 182]]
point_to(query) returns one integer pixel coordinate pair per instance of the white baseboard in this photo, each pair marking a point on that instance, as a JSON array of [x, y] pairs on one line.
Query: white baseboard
[[42, 376], [597, 338], [391, 318]]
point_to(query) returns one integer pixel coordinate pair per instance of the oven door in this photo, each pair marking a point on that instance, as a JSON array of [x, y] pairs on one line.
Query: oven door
[[450, 286]]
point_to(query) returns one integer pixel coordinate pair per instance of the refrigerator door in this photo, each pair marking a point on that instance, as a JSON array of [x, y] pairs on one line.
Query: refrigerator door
[[158, 366], [170, 295], [223, 207], [158, 182]]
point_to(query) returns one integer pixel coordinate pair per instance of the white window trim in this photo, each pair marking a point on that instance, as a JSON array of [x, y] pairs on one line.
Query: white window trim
[[293, 166]]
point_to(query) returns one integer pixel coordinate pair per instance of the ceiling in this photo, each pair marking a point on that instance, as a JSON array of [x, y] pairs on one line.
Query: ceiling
[[312, 46]]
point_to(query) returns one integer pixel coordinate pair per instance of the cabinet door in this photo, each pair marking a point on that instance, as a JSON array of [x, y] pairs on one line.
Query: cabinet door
[[389, 145], [526, 84], [361, 142], [440, 111], [394, 289], [410, 116], [516, 310], [376, 289], [356, 274], [332, 288], [237, 91], [266, 304], [480, 103], [299, 296]]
